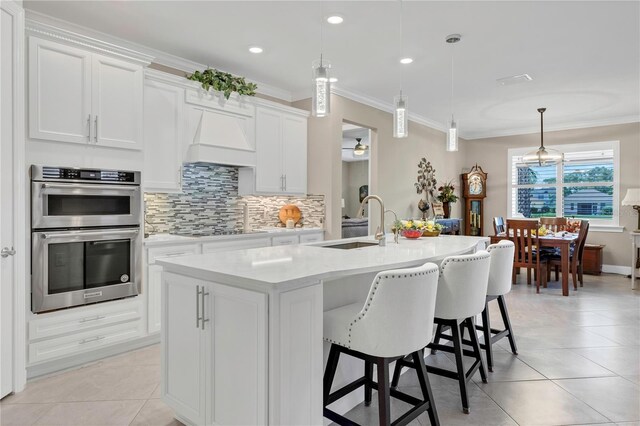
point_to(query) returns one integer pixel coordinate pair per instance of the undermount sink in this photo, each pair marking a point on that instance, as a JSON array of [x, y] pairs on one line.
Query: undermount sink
[[352, 245]]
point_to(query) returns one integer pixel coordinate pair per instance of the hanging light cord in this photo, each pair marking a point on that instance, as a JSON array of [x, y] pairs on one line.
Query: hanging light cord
[[541, 111], [321, 30], [401, 49]]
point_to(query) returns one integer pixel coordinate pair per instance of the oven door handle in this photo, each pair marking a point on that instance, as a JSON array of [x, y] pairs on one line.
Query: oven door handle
[[104, 187], [124, 233]]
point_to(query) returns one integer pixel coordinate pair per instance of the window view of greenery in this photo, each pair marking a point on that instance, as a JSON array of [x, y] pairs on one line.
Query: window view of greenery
[[586, 188]]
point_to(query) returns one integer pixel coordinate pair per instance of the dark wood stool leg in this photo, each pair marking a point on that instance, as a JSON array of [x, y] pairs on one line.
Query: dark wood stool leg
[[384, 402], [423, 378], [457, 350], [486, 331], [580, 275], [507, 324], [330, 372], [476, 347], [368, 373], [436, 338]]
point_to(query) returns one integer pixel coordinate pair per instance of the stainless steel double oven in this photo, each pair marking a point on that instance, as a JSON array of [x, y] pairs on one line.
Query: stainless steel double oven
[[86, 242]]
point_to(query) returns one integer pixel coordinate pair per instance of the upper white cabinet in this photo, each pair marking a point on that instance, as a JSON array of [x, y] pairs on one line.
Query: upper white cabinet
[[83, 97], [163, 133], [281, 154]]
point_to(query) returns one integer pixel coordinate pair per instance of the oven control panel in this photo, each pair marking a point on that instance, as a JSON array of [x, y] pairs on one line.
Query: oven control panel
[[44, 173]]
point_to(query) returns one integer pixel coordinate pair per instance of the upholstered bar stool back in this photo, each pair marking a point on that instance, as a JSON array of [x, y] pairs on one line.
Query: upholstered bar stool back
[[463, 285], [396, 320], [499, 284]]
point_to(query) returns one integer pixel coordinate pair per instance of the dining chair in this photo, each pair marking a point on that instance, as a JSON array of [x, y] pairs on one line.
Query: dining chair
[[527, 253], [575, 260], [554, 224], [498, 225]]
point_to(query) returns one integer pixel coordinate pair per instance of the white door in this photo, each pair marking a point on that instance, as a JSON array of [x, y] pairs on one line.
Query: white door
[[10, 25], [117, 102], [163, 117], [294, 153], [59, 92], [269, 175], [184, 348]]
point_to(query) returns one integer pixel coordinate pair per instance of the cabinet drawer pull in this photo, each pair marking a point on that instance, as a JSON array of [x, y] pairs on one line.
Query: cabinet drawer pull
[[198, 306], [91, 339], [88, 319], [96, 129], [204, 293], [89, 125]]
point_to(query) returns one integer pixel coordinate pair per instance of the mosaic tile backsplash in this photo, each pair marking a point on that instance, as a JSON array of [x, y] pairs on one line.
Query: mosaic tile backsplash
[[210, 203]]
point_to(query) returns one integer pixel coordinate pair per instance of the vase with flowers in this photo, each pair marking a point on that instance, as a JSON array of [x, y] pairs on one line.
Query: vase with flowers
[[446, 197]]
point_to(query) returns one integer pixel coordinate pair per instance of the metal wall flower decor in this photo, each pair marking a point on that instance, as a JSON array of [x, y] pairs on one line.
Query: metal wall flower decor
[[425, 183]]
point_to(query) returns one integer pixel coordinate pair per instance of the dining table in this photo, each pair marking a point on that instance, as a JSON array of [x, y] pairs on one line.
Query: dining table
[[562, 242]]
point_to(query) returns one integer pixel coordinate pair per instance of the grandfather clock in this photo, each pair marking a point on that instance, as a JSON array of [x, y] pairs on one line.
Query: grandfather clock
[[474, 191]]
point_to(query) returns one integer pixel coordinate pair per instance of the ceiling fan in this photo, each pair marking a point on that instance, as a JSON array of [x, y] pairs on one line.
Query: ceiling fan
[[359, 149]]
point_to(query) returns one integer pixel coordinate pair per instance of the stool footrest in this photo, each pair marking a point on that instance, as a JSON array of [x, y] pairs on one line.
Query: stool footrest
[[347, 389]]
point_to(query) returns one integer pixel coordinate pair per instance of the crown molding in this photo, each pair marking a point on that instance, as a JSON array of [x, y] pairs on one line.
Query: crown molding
[[44, 26], [39, 23], [552, 128]]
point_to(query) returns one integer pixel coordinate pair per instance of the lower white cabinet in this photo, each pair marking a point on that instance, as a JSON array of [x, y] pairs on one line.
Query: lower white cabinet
[[285, 240], [64, 333], [214, 352], [312, 238]]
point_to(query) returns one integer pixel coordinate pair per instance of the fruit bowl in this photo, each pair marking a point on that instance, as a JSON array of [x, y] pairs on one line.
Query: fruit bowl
[[428, 233], [412, 234]]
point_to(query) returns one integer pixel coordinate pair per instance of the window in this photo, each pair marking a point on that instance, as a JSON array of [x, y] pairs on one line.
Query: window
[[584, 186]]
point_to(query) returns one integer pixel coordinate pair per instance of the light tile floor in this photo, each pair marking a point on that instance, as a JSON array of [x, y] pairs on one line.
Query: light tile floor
[[578, 363]]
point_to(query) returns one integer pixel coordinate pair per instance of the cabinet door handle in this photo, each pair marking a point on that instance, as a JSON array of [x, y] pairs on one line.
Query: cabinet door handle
[[96, 318], [91, 339], [285, 182], [96, 129], [197, 306], [89, 125], [204, 293]]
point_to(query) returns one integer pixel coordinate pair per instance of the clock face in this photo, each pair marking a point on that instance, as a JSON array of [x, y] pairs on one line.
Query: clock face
[[475, 185]]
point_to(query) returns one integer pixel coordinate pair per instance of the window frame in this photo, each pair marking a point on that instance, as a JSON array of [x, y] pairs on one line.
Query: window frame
[[610, 225]]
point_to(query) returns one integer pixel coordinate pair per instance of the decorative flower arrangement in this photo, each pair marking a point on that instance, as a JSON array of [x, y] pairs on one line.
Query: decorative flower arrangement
[[416, 228], [446, 194]]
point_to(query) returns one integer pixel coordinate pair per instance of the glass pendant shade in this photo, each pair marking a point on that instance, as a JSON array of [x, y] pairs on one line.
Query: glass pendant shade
[[400, 117], [452, 137], [543, 156], [321, 92]]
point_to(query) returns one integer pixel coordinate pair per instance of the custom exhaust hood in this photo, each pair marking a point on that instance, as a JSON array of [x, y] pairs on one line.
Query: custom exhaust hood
[[220, 132]]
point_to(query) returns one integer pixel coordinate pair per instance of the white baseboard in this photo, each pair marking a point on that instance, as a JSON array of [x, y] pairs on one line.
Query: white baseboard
[[85, 358], [616, 269]]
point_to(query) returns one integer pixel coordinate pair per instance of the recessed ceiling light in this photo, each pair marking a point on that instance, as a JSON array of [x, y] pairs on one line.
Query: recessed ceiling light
[[406, 61], [255, 49], [333, 80], [335, 19]]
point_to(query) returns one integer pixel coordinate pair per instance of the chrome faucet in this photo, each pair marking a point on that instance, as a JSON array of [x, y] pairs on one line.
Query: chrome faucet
[[380, 236], [397, 231]]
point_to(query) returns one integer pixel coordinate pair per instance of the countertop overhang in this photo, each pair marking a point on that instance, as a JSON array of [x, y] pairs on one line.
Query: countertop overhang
[[292, 266]]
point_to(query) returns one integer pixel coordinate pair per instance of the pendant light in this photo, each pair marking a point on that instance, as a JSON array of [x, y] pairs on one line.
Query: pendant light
[[360, 148], [321, 80], [400, 102], [452, 133], [543, 156]]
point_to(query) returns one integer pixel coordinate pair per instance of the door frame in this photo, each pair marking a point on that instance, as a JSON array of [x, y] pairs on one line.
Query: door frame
[[20, 205]]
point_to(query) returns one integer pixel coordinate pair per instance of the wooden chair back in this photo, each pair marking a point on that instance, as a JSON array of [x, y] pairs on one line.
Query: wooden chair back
[[526, 241], [554, 224], [498, 225], [582, 239]]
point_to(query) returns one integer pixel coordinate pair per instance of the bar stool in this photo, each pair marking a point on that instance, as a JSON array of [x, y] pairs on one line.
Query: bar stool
[[462, 290], [499, 285], [396, 320]]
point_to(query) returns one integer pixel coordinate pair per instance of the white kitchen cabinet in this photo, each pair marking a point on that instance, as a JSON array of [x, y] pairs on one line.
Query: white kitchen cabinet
[[281, 154], [284, 240], [312, 238], [214, 354], [117, 102], [83, 97], [153, 280], [163, 132], [219, 246]]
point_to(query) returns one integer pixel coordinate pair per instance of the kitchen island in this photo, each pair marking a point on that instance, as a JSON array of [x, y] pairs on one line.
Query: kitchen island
[[242, 330]]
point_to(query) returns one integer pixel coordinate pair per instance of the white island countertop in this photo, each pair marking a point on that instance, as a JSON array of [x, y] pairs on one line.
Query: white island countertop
[[291, 266]]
